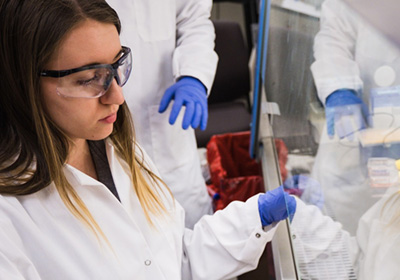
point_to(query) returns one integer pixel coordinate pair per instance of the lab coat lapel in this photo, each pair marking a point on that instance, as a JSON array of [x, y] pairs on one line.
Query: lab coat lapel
[[122, 223], [165, 231]]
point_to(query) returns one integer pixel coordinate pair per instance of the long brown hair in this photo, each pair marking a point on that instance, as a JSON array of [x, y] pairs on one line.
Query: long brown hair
[[33, 150]]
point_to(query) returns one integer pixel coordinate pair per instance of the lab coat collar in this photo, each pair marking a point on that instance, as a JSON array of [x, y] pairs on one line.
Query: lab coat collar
[[81, 178]]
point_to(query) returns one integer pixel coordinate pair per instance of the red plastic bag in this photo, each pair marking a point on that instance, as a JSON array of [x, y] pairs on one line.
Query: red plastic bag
[[234, 175]]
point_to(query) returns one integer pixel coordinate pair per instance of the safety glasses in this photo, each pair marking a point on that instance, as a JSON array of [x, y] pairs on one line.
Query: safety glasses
[[92, 81]]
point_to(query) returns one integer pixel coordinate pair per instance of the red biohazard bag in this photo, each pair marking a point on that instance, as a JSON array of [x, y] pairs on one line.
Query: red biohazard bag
[[234, 175]]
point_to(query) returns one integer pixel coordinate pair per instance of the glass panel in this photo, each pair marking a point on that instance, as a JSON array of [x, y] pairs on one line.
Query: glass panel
[[336, 81]]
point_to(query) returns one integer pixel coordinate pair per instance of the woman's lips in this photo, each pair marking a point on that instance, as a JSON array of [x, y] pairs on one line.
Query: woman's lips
[[110, 119]]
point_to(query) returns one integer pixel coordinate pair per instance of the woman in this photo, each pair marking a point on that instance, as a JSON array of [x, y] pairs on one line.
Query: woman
[[79, 199]]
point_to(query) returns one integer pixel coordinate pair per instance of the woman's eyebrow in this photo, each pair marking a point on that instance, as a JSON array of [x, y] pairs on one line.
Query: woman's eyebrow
[[98, 63]]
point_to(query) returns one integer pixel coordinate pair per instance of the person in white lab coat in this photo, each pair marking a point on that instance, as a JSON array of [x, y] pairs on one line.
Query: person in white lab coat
[[352, 61], [177, 64], [79, 199]]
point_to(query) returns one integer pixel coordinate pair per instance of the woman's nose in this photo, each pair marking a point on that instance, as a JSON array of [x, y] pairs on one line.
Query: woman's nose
[[114, 94]]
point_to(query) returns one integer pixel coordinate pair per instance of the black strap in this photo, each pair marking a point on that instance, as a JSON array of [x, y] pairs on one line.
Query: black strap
[[99, 156]]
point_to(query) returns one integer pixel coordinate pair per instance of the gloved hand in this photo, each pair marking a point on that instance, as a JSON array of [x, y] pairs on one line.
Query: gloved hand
[[192, 94], [308, 189], [345, 113], [276, 205]]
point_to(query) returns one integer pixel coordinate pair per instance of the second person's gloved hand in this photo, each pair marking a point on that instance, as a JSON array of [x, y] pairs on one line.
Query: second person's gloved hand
[[276, 205], [309, 190], [192, 94], [345, 113]]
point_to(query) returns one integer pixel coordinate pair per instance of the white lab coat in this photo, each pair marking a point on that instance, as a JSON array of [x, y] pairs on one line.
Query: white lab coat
[[169, 39], [325, 251], [341, 169], [347, 52], [41, 239]]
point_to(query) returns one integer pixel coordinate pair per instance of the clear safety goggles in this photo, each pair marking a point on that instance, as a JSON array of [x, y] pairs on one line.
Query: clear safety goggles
[[92, 81]]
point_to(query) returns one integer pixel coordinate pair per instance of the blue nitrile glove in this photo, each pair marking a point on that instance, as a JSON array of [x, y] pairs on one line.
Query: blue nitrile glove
[[192, 94], [310, 190], [276, 205], [345, 113]]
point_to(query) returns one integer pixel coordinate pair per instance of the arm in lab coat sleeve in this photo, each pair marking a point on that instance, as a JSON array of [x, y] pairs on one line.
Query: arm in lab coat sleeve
[[335, 66], [321, 243], [11, 270], [14, 263], [194, 54], [225, 244]]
